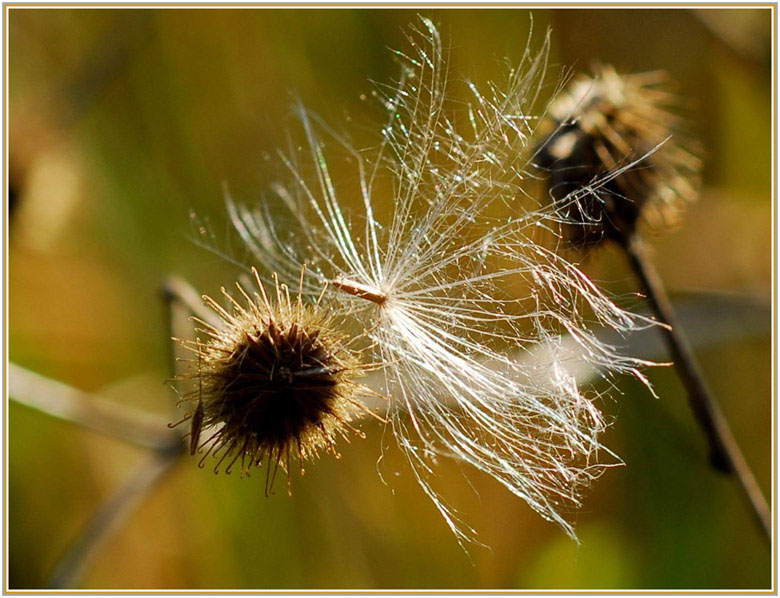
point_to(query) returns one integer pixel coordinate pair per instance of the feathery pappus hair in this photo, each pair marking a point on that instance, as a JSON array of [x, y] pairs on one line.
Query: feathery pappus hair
[[617, 156], [429, 260], [274, 378]]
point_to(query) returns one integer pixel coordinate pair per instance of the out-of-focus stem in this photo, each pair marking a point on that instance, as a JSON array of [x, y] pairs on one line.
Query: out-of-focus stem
[[110, 515], [117, 507], [176, 290], [96, 413], [725, 453]]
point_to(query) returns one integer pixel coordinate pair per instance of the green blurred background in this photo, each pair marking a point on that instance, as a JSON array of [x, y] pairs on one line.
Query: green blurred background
[[122, 122]]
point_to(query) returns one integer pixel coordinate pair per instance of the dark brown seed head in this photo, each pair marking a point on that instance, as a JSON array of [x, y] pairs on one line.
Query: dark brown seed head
[[274, 380], [601, 125]]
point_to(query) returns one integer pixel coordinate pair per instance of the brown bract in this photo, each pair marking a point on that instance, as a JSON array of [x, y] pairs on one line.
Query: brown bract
[[275, 379], [616, 156]]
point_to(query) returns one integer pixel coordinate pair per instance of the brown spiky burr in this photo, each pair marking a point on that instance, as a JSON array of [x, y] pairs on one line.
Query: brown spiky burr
[[274, 381]]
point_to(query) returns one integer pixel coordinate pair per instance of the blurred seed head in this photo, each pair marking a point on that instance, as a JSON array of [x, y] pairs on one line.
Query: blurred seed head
[[616, 156], [273, 381]]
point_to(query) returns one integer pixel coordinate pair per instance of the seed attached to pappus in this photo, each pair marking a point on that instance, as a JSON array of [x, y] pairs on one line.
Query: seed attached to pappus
[[359, 290], [275, 380], [616, 156]]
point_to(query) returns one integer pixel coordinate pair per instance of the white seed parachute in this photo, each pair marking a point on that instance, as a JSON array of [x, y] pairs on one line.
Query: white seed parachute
[[463, 309]]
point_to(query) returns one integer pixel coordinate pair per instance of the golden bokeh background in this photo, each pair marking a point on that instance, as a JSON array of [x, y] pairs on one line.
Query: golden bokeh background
[[123, 122]]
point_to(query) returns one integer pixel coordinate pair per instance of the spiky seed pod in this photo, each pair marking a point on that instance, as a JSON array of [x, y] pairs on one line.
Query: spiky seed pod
[[616, 156], [274, 379]]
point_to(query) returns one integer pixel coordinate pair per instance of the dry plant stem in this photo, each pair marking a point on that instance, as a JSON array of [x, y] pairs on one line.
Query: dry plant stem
[[70, 404], [118, 506], [176, 290], [110, 515], [182, 302], [725, 454]]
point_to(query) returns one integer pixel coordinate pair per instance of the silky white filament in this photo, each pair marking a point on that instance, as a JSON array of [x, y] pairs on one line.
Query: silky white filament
[[451, 295]]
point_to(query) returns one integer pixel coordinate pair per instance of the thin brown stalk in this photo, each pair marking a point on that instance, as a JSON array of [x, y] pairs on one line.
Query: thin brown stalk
[[725, 454]]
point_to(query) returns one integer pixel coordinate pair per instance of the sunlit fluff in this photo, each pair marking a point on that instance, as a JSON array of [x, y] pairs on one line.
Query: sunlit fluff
[[452, 300]]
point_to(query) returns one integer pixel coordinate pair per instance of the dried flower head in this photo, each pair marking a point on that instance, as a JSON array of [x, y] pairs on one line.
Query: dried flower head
[[617, 156], [451, 296], [275, 378]]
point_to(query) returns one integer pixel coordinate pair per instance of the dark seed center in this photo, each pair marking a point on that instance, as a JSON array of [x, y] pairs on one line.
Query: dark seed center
[[278, 384]]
